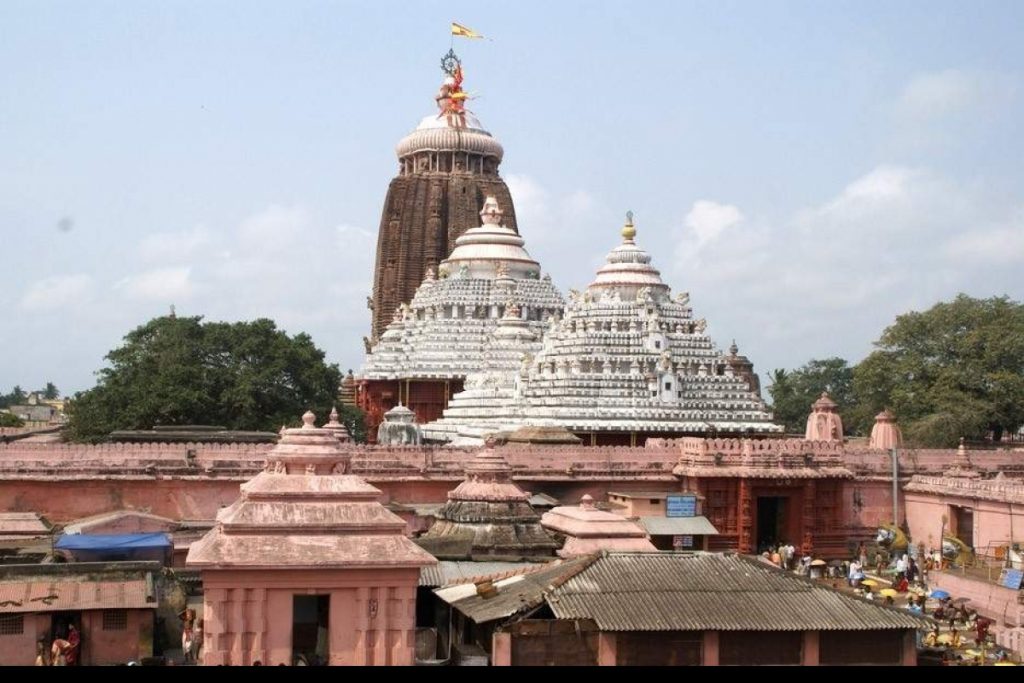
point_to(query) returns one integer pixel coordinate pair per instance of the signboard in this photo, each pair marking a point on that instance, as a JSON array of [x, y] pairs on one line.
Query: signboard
[[682, 542], [681, 506], [1011, 578]]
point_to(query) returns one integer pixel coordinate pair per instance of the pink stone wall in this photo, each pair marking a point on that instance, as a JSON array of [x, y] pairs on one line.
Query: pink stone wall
[[62, 501], [157, 478], [372, 615], [129, 524], [100, 647], [20, 649], [994, 525]]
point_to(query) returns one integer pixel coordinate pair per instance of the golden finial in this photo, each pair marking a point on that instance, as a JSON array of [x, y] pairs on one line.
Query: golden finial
[[628, 231]]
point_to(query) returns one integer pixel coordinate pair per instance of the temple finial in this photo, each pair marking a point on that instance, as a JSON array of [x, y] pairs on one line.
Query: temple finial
[[628, 231]]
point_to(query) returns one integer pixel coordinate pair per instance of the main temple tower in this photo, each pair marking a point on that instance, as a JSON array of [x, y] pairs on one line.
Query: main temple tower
[[446, 168]]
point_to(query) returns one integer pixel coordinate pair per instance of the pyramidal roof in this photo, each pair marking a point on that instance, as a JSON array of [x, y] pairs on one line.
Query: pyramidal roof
[[627, 357], [488, 516], [446, 330], [301, 512], [589, 530]]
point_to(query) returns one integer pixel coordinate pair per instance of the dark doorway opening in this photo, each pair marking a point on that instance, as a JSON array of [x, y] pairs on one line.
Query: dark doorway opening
[[771, 521], [310, 636], [60, 630]]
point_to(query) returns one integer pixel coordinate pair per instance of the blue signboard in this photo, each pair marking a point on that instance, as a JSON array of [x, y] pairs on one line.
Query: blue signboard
[[1011, 578], [681, 506]]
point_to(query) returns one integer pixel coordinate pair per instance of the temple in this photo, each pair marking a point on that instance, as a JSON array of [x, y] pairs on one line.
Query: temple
[[488, 517], [446, 168], [486, 290], [307, 566], [586, 530], [627, 362]]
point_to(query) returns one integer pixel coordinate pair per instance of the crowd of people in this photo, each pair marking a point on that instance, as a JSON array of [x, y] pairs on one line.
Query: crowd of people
[[907, 575]]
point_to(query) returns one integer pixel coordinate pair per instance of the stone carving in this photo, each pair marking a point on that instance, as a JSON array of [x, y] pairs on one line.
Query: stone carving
[[665, 361], [590, 368]]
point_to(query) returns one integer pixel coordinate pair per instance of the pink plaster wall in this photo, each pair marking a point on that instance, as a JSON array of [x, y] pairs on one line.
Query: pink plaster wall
[[37, 477], [98, 646], [101, 647], [995, 523], [130, 524], [372, 615], [501, 649], [638, 507], [64, 501], [20, 649]]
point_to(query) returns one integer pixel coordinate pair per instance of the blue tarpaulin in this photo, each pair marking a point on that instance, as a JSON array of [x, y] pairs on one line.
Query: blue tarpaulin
[[106, 547]]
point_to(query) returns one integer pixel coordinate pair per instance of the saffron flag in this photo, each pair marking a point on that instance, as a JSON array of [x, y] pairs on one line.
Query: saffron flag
[[460, 30]]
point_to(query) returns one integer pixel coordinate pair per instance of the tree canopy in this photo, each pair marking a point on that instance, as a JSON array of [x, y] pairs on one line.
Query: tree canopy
[[954, 370], [10, 420], [793, 392], [354, 420], [179, 370], [18, 396]]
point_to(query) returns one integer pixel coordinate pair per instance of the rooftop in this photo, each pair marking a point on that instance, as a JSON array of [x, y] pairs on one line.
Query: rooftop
[[669, 591]]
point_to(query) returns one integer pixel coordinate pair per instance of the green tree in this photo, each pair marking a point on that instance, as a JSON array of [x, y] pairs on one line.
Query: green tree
[[16, 397], [794, 391], [354, 420], [179, 371], [954, 370], [10, 420], [51, 392]]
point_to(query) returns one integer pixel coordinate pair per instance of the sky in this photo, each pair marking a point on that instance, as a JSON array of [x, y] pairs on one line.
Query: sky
[[806, 170]]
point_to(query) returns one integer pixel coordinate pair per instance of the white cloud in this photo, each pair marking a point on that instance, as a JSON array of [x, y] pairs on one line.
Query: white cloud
[[166, 285], [828, 279], [59, 291], [531, 200], [568, 231], [943, 93], [174, 246], [998, 245], [707, 220], [275, 227]]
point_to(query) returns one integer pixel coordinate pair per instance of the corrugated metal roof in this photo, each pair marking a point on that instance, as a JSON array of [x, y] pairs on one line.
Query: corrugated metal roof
[[679, 526], [705, 591], [74, 593], [446, 572], [515, 594]]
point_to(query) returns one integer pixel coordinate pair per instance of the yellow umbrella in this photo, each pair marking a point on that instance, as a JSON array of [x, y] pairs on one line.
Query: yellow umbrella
[[869, 582], [1004, 664], [887, 592]]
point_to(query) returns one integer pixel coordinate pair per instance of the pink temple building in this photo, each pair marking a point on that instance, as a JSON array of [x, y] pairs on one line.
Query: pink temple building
[[308, 566], [587, 530]]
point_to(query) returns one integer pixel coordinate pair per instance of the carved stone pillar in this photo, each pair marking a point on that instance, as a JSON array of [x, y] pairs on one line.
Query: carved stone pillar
[[808, 517], [746, 542]]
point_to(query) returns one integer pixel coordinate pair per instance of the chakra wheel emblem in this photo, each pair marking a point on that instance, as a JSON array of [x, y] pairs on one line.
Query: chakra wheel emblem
[[450, 62]]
